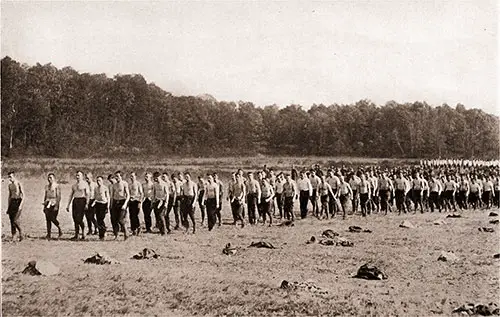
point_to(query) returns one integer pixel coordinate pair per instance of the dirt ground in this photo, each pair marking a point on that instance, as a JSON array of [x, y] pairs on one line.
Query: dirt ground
[[193, 277]]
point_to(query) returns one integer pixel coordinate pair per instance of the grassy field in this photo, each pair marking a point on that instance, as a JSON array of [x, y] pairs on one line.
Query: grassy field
[[193, 277], [65, 168]]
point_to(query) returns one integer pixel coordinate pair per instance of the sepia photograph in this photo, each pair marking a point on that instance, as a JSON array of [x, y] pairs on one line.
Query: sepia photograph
[[250, 158]]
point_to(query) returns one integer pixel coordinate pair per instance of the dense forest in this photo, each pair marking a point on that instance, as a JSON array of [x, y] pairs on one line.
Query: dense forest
[[62, 113]]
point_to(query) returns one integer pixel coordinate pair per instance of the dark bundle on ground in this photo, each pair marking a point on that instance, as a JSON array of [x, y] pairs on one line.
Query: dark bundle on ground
[[493, 214], [358, 229], [262, 244], [40, 268], [100, 258], [370, 272], [228, 250], [486, 229], [286, 223], [479, 309], [329, 234], [454, 216], [145, 254]]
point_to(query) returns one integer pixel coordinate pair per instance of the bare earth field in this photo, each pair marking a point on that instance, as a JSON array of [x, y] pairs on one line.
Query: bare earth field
[[193, 277]]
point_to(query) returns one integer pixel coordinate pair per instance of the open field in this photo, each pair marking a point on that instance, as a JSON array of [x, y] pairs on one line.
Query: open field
[[193, 277], [65, 168]]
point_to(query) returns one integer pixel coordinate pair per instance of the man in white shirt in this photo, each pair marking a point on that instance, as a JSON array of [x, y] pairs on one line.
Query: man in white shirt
[[136, 195], [90, 212]]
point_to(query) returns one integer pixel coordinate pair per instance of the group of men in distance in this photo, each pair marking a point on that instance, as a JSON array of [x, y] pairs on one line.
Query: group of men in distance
[[263, 195]]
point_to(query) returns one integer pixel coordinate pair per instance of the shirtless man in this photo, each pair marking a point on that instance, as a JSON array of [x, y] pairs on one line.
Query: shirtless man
[[278, 190], [136, 195], [79, 202], [267, 196], [305, 188], [15, 205], [364, 194], [290, 193], [221, 195], [201, 198], [314, 180], [90, 212], [51, 202], [120, 199], [101, 205], [190, 198], [253, 197], [160, 203], [324, 192], [334, 183], [212, 202], [237, 199], [417, 192], [147, 203], [345, 193]]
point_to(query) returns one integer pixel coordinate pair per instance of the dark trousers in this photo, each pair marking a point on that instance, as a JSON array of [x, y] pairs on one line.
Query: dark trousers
[[78, 211], [314, 202], [400, 200], [252, 207], [487, 198], [211, 210], [133, 208], [325, 204], [332, 203], [236, 210], [14, 214], [175, 205], [201, 203], [51, 218], [265, 209], [462, 199], [161, 216], [385, 195], [434, 201], [496, 199], [187, 210], [363, 201], [354, 201], [303, 200], [118, 216], [417, 199], [474, 199], [100, 213], [146, 209], [90, 217], [449, 200], [288, 208], [279, 202]]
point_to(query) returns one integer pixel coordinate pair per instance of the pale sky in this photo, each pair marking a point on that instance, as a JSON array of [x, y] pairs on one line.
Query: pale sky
[[273, 52]]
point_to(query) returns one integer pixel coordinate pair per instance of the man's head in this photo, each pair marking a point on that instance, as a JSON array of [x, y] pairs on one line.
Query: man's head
[[12, 176], [156, 177], [147, 177], [51, 178], [118, 176], [89, 177], [79, 176], [187, 176], [133, 177], [99, 180], [111, 178]]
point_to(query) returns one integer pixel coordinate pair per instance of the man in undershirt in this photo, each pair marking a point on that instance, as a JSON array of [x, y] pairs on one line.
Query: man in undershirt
[[305, 189]]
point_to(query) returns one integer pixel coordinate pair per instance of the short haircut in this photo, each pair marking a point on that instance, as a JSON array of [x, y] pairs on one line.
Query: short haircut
[[79, 172], [99, 177], [51, 174], [110, 176], [11, 173], [187, 173], [156, 174], [118, 172]]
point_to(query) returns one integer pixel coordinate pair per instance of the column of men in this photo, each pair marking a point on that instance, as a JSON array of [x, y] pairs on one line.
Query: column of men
[[262, 196]]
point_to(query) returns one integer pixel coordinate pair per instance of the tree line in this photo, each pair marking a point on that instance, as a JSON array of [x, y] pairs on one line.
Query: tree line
[[63, 113]]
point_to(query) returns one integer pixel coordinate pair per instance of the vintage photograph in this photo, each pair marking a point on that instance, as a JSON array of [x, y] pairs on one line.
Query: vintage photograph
[[250, 158]]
